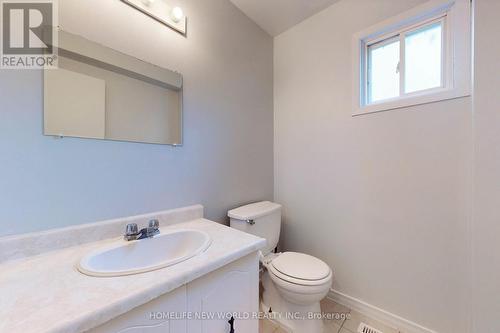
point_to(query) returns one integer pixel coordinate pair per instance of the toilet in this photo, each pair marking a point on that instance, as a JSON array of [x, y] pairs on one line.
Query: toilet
[[293, 282]]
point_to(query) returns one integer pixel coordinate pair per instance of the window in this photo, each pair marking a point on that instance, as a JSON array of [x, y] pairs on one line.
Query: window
[[423, 58], [421, 52], [383, 70], [418, 57]]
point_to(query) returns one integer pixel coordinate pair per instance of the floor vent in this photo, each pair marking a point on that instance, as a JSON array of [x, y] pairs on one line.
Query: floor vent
[[364, 328]]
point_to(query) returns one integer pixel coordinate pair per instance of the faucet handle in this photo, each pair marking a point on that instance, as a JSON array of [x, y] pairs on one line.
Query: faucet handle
[[154, 224], [131, 229]]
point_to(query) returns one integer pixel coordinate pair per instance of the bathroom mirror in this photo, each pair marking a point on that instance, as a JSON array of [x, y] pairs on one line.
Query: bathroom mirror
[[99, 93]]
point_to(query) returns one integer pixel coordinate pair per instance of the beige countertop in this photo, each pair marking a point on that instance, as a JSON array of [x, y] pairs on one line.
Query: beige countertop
[[46, 293]]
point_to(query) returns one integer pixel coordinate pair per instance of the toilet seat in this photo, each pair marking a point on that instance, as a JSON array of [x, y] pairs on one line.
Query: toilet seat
[[300, 269]]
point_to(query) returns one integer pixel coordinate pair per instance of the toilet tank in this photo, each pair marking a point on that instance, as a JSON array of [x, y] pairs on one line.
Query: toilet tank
[[262, 219]]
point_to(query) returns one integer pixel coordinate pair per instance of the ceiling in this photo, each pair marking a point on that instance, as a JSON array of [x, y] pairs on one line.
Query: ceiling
[[276, 16]]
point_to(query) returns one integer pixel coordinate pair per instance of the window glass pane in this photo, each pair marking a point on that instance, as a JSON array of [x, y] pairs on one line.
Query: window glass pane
[[423, 53], [383, 73]]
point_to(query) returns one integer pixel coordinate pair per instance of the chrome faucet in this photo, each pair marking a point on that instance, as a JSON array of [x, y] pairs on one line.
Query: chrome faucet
[[132, 233]]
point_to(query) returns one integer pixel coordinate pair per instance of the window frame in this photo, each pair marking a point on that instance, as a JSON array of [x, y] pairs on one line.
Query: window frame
[[454, 16]]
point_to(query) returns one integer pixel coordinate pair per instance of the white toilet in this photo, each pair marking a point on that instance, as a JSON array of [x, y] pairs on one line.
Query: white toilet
[[294, 283]]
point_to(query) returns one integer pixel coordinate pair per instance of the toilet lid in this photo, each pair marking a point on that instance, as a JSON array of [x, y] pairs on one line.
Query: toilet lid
[[301, 266]]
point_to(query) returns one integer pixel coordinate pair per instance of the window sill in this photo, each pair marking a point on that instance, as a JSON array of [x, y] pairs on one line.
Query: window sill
[[404, 102]]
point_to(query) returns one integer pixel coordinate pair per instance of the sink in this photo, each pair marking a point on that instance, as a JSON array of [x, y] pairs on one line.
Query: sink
[[140, 256]]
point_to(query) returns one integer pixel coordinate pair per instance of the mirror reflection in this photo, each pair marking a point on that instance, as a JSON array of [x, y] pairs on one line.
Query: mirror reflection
[[100, 93]]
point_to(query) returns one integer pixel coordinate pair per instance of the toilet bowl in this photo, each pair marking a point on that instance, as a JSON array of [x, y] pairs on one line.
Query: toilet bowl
[[293, 283], [300, 278]]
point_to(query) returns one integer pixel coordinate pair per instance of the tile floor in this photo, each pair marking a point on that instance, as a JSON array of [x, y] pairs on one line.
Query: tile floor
[[340, 320]]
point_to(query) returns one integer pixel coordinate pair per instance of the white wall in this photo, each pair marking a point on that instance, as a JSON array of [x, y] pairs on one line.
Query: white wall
[[227, 155], [486, 223], [382, 198]]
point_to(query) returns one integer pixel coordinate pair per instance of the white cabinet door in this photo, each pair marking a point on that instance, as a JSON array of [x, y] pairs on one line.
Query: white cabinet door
[[152, 317], [205, 305], [231, 291]]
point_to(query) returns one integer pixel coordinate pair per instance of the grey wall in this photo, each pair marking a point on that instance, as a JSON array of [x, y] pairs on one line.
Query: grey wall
[[486, 223], [382, 198], [227, 155]]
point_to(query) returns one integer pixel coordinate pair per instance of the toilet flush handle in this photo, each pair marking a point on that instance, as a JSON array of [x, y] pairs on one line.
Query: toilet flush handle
[[251, 222]]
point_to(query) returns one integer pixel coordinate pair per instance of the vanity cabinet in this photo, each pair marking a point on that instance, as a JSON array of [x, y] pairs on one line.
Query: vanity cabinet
[[228, 295], [150, 318], [217, 302]]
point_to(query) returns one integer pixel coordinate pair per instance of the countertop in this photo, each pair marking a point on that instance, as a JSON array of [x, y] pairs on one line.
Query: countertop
[[47, 294]]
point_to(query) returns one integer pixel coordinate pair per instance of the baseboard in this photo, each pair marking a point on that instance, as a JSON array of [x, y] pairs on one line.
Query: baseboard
[[385, 317]]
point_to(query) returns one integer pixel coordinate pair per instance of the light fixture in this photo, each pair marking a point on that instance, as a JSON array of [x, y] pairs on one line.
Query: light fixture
[[177, 14], [160, 10]]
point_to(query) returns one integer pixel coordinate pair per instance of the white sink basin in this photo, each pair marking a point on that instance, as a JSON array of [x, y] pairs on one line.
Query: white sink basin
[[125, 258]]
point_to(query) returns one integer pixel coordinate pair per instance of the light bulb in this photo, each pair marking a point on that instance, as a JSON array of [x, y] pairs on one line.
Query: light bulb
[[177, 14]]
